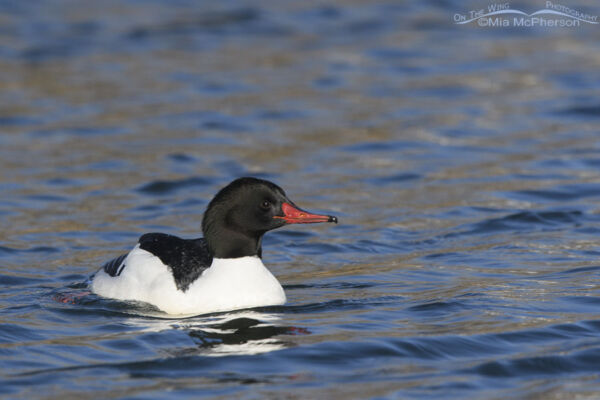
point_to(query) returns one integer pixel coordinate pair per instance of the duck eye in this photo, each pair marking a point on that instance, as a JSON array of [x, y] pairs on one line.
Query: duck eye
[[265, 204]]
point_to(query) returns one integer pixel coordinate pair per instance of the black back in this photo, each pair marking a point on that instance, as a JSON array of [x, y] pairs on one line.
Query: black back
[[186, 259]]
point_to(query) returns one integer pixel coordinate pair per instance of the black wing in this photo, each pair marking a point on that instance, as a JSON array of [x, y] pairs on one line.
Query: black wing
[[187, 259], [115, 266]]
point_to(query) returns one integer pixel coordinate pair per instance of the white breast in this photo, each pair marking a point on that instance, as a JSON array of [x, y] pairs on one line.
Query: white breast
[[229, 284]]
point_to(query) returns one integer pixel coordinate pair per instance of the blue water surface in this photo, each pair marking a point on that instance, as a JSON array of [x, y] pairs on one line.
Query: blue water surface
[[462, 162]]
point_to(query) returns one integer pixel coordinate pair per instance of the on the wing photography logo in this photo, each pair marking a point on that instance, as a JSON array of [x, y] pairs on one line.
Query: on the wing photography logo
[[499, 15]]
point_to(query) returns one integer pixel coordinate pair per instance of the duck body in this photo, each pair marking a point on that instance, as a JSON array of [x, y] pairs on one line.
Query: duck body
[[225, 284], [222, 271]]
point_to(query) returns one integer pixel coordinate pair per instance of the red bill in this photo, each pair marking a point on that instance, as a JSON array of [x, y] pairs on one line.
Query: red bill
[[294, 215]]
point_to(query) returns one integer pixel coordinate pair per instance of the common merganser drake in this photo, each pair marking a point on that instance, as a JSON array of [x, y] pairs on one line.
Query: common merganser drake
[[222, 271]]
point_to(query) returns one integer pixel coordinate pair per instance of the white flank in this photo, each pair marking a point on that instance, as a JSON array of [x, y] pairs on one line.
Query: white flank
[[229, 284]]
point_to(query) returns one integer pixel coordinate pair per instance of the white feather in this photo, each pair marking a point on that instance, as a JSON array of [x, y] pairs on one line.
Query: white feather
[[229, 284]]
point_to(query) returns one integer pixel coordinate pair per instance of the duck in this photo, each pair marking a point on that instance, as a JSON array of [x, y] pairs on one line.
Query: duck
[[223, 270]]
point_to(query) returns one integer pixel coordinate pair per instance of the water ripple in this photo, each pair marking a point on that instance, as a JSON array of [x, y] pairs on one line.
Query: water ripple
[[165, 187]]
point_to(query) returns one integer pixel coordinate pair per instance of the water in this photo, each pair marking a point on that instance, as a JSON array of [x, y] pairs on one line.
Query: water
[[461, 161]]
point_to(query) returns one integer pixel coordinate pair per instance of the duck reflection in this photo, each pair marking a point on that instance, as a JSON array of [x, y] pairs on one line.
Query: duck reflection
[[232, 333], [242, 333]]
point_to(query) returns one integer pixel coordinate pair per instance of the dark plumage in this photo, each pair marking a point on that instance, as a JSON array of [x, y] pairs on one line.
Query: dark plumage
[[115, 266]]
